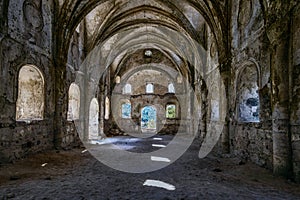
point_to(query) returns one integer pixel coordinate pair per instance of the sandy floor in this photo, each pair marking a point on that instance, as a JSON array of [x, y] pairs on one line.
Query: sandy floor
[[76, 175]]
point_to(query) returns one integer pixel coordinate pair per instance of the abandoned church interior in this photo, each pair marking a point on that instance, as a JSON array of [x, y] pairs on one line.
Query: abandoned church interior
[[218, 78]]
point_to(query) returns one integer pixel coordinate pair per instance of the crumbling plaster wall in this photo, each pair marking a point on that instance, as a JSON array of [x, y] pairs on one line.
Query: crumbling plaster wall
[[138, 74], [26, 38], [138, 69], [76, 55], [266, 36], [249, 138], [118, 126]]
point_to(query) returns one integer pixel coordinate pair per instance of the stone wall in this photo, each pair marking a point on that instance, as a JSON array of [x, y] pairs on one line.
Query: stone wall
[[252, 143], [21, 139], [26, 39], [117, 125], [295, 107], [250, 130], [266, 38], [70, 137], [260, 70]]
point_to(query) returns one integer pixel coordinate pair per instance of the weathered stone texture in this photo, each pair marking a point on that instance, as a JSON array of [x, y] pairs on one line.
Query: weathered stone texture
[[24, 139], [295, 106], [252, 46], [252, 143]]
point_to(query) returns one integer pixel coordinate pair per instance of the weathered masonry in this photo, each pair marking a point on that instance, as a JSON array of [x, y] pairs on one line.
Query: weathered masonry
[[251, 47]]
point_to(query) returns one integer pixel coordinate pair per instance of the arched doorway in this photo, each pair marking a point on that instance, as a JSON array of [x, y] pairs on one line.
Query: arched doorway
[[74, 102], [94, 119], [148, 119]]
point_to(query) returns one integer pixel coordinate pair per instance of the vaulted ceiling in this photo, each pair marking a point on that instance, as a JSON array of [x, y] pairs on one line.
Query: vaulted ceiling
[[105, 19]]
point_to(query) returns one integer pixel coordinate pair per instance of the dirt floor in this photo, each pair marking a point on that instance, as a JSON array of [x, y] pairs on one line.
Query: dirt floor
[[75, 174]]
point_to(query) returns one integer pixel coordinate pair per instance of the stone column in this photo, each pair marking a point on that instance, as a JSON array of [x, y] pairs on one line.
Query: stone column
[[60, 106], [225, 74], [278, 34], [295, 98]]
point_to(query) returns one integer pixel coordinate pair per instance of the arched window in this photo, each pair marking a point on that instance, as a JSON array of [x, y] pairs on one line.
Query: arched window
[[248, 97], [118, 79], [149, 88], [94, 119], [127, 89], [74, 102], [148, 118], [171, 88], [30, 102], [107, 108], [171, 111], [126, 110]]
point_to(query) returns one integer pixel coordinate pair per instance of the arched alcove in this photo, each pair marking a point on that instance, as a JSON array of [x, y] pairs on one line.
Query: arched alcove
[[30, 102], [94, 119], [248, 102], [74, 102]]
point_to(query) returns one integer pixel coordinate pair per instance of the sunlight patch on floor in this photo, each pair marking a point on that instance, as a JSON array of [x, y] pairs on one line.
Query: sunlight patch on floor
[[159, 145], [160, 184], [160, 159]]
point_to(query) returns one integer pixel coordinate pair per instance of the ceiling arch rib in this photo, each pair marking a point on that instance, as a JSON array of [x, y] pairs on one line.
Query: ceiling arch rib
[[148, 14], [136, 24], [71, 13], [179, 44], [130, 41], [96, 17], [182, 68], [178, 63], [79, 9], [117, 69], [218, 24], [157, 67]]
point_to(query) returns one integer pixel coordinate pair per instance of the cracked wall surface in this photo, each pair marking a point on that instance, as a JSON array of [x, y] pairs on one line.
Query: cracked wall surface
[[252, 46]]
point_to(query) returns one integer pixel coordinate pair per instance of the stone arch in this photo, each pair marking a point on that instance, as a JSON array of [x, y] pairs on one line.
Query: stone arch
[[31, 88], [169, 71], [248, 83], [206, 9], [74, 102]]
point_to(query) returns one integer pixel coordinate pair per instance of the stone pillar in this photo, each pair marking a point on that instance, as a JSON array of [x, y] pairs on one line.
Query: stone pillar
[[280, 97], [225, 74], [60, 106], [295, 98]]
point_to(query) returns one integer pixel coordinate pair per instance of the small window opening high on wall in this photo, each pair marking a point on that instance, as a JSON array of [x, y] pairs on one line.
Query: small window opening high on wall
[[149, 88], [127, 89]]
